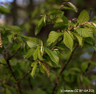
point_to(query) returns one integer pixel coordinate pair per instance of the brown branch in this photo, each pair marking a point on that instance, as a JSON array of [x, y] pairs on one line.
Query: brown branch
[[63, 69], [13, 75], [11, 70], [68, 61]]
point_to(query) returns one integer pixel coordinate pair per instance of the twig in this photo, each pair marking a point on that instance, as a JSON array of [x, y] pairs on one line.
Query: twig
[[13, 75], [25, 75], [14, 54], [63, 69], [92, 59], [68, 61], [11, 70]]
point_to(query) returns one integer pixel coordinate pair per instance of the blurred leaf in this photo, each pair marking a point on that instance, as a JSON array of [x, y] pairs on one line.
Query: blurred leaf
[[84, 66], [7, 91], [83, 17], [75, 69], [34, 65], [29, 53], [72, 6], [4, 10], [10, 38], [37, 54], [38, 91], [33, 42], [40, 24], [14, 28], [84, 32], [86, 81], [69, 6]]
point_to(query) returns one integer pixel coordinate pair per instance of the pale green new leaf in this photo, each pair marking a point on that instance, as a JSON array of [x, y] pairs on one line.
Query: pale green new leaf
[[72, 6], [84, 32], [29, 53], [34, 65], [69, 6], [68, 41], [33, 42], [79, 38], [53, 56], [83, 17], [53, 36], [37, 54]]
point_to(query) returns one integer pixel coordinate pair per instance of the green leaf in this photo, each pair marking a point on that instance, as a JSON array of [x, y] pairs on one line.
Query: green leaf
[[2, 60], [72, 6], [84, 66], [61, 22], [53, 56], [69, 6], [37, 54], [53, 36], [10, 38], [40, 24], [84, 32], [68, 41], [8, 91], [14, 28], [33, 42], [86, 81], [75, 69], [4, 10], [83, 17], [79, 38], [29, 53], [34, 65]]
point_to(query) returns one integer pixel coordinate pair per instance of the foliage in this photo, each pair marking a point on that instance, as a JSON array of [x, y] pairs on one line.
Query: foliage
[[56, 63]]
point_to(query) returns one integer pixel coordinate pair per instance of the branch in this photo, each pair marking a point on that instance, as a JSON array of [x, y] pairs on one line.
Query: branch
[[13, 75], [25, 75], [63, 69], [92, 59], [11, 71], [68, 61]]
